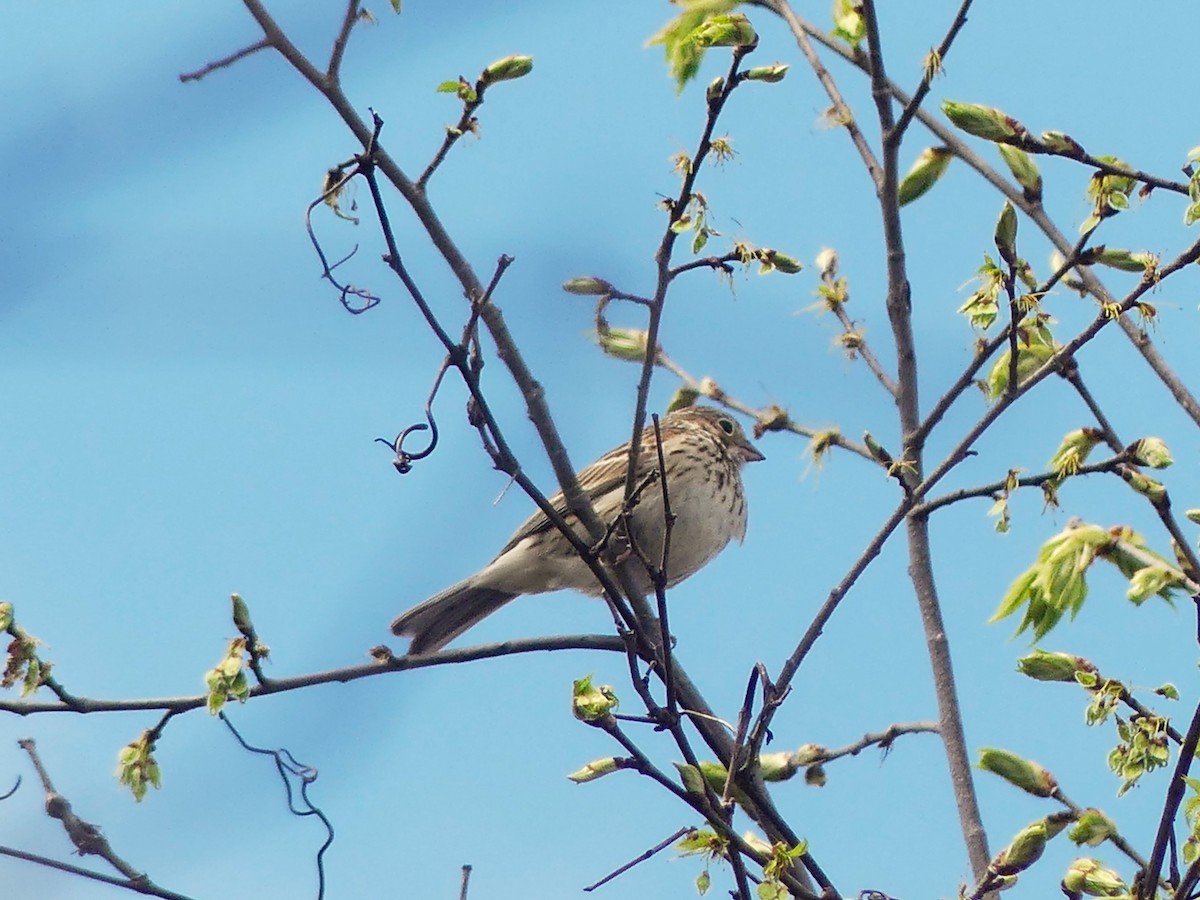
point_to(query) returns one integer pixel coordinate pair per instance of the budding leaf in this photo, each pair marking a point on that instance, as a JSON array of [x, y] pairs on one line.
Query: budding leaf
[[927, 170]]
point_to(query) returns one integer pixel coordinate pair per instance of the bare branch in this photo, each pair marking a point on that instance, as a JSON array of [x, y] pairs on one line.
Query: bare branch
[[385, 663], [85, 836], [224, 61]]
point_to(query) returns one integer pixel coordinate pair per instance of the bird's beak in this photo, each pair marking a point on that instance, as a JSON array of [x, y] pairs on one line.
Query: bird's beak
[[750, 453]]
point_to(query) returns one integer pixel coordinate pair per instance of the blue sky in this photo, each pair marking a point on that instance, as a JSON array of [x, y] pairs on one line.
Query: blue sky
[[186, 411]]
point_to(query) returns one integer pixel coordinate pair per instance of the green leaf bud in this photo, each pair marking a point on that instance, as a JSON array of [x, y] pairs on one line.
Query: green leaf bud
[[693, 781], [1087, 876], [682, 398], [241, 614], [1151, 580], [1062, 144], [1017, 771], [591, 703], [1044, 665], [984, 122], [597, 768], [778, 766], [587, 286], [727, 31], [776, 259], [770, 74], [1124, 260], [1092, 828], [1025, 849], [624, 343], [1150, 451], [507, 69], [929, 167], [1074, 450], [1024, 170], [1006, 234], [1148, 487]]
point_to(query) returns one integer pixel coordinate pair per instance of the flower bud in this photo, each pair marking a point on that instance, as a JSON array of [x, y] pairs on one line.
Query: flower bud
[[6, 614], [1024, 169], [714, 89], [1018, 771], [587, 286], [926, 171], [1150, 451], [507, 69], [984, 121], [1043, 665], [597, 768], [769, 74]]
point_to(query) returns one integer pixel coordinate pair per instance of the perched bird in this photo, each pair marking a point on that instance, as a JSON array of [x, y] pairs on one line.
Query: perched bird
[[703, 451]]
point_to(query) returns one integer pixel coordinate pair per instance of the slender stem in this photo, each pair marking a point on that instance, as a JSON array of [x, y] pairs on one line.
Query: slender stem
[[1175, 791], [931, 71]]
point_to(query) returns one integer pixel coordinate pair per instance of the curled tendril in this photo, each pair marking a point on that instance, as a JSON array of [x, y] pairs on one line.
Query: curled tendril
[[404, 459], [13, 791]]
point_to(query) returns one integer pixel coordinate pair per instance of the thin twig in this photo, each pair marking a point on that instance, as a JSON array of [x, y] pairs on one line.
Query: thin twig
[[224, 61], [1176, 788], [85, 836], [385, 663], [333, 70], [884, 739], [143, 889], [896, 134], [641, 858]]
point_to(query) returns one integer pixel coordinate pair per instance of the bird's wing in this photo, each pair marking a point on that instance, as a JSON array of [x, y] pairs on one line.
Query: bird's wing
[[605, 475]]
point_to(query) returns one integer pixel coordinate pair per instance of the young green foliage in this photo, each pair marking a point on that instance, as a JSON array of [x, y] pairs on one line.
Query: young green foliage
[[702, 24], [1143, 749], [227, 679], [592, 703], [21, 662], [1056, 584], [137, 768]]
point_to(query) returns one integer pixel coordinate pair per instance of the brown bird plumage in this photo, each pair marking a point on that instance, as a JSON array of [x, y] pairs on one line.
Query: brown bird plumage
[[704, 450]]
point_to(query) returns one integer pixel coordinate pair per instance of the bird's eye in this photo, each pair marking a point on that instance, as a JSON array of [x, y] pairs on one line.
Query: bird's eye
[[726, 425]]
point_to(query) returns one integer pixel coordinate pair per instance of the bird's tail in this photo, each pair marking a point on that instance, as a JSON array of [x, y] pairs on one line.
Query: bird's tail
[[445, 616]]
